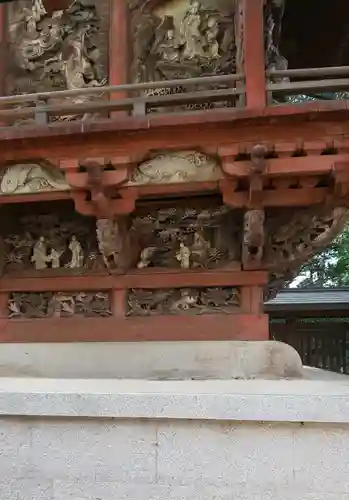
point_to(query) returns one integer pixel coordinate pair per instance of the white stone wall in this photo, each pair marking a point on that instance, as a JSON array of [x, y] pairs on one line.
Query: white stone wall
[[81, 459], [53, 445]]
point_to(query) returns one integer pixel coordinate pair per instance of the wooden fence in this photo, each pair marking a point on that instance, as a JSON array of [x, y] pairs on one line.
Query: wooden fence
[[321, 344]]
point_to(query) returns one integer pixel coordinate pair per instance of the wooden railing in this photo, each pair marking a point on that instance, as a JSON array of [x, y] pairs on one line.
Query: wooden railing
[[41, 107], [44, 107], [306, 81]]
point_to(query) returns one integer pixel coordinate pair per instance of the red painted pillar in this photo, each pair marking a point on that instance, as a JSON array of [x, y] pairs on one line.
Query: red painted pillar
[[254, 53], [118, 45]]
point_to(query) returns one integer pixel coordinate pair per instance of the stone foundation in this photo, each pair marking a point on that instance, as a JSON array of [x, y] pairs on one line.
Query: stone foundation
[[189, 440]]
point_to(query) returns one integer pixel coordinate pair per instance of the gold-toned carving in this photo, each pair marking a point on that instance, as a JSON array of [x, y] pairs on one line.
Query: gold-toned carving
[[189, 237], [54, 51], [29, 178], [48, 305], [184, 166], [183, 301]]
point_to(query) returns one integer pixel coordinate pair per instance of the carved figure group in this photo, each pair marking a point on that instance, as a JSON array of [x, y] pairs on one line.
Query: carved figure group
[[188, 238], [41, 258], [183, 301], [202, 41], [57, 50]]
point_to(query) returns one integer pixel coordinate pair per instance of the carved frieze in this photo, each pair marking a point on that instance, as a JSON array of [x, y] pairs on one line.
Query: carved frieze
[[61, 304], [183, 301], [293, 237], [60, 241], [182, 39], [181, 166], [55, 51], [30, 178], [189, 238]]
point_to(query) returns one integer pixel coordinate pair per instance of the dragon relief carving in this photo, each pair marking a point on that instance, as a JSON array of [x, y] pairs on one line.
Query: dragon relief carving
[[199, 42], [54, 52], [183, 301]]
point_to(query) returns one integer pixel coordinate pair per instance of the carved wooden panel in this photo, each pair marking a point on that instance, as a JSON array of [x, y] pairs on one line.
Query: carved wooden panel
[[189, 238], [180, 166], [61, 304], [183, 301], [182, 39], [63, 50], [30, 178], [48, 238]]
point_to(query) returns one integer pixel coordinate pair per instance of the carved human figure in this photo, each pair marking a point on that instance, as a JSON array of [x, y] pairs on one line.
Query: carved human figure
[[54, 258], [168, 49], [183, 256], [192, 38], [211, 33], [200, 248], [77, 259], [39, 257]]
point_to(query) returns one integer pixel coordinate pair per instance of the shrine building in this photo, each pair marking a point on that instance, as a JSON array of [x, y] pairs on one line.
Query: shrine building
[[166, 166]]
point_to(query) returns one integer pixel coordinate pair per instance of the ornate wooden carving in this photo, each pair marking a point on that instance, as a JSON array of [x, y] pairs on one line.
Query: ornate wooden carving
[[183, 301], [253, 239], [175, 167], [189, 237], [61, 304], [199, 41], [60, 241], [31, 178], [56, 50]]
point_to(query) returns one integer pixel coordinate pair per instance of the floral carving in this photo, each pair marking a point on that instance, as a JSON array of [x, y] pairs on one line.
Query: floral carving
[[48, 305], [183, 301]]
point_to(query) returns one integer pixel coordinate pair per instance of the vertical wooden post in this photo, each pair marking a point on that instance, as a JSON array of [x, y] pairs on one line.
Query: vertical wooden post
[[118, 305], [118, 45], [2, 48], [254, 56], [4, 312]]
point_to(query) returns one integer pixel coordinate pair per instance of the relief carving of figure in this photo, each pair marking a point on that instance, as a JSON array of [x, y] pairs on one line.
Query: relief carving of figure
[[192, 38], [77, 259], [39, 257], [183, 256], [168, 47], [55, 51]]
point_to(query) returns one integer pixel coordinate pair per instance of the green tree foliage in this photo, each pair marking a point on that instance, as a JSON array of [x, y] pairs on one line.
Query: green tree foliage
[[328, 268]]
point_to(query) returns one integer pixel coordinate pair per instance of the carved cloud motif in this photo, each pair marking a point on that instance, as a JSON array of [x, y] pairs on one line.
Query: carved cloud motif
[[183, 166], [29, 178]]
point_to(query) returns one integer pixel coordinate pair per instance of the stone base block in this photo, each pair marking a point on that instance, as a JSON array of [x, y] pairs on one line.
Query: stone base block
[[152, 360]]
